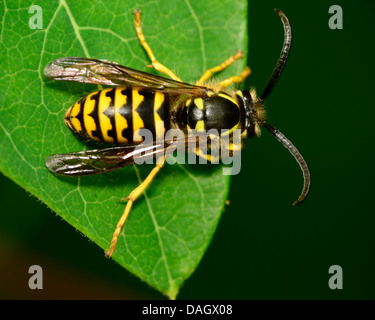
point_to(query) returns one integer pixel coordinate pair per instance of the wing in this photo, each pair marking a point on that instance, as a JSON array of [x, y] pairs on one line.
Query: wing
[[108, 73], [98, 161]]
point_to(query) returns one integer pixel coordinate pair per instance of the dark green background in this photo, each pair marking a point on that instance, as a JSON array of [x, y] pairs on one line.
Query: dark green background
[[263, 248]]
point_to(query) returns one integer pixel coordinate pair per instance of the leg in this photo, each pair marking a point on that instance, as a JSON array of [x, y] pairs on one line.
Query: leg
[[225, 64], [131, 198], [209, 157], [211, 148], [156, 64], [236, 79]]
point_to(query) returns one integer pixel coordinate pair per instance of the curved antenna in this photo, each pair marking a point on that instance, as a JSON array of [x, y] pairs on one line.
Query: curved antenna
[[283, 56], [293, 150]]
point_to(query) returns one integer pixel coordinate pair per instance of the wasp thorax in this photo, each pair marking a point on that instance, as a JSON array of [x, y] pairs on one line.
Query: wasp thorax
[[219, 111]]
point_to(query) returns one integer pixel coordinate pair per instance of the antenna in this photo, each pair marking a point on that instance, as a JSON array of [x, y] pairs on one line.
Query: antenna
[[282, 59], [296, 154]]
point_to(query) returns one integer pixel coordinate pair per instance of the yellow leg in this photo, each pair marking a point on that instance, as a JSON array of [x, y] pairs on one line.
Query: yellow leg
[[156, 64], [131, 198], [208, 157], [225, 64], [236, 79]]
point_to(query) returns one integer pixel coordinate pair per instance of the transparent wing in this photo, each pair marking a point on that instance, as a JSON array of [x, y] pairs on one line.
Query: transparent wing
[[98, 161], [102, 72]]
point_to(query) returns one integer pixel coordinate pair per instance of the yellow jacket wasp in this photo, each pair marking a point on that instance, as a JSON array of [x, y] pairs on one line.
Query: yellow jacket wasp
[[142, 100]]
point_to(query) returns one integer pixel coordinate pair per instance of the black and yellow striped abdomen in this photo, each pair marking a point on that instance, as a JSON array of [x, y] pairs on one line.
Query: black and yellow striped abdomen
[[115, 115]]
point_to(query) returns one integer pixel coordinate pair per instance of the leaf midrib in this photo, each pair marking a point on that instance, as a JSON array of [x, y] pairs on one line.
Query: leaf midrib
[[173, 288]]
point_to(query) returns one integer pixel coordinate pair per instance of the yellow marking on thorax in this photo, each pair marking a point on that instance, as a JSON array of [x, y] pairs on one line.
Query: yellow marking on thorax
[[228, 132], [159, 123], [239, 92], [105, 122], [200, 126], [120, 122], [228, 97], [88, 120], [199, 103], [238, 125], [137, 120]]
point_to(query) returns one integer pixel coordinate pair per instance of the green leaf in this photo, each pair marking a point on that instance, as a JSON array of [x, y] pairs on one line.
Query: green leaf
[[169, 227]]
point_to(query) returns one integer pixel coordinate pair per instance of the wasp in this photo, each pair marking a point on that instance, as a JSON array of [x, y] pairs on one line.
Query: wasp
[[139, 100]]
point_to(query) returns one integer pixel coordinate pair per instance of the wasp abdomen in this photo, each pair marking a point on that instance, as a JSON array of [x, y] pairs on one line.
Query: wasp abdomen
[[115, 115]]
